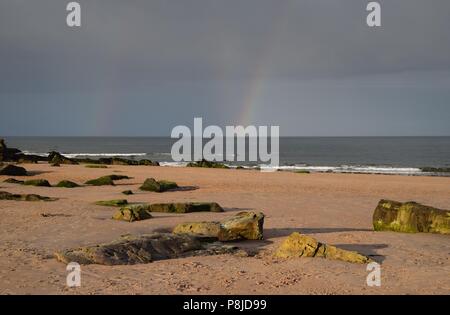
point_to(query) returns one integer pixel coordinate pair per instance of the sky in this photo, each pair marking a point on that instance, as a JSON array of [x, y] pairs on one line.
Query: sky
[[142, 67]]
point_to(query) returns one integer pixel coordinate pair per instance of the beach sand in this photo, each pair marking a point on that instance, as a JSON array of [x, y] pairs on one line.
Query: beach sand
[[334, 208]]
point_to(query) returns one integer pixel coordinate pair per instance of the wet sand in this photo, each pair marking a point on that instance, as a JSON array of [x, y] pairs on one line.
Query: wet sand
[[334, 208]]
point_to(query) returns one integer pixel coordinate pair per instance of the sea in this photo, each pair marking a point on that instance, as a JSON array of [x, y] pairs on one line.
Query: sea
[[378, 155]]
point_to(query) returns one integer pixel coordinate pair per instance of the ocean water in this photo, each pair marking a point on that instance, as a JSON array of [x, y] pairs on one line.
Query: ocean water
[[386, 155]]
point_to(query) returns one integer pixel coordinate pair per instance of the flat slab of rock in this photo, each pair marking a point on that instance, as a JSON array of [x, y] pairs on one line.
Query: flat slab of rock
[[37, 182], [410, 217], [112, 203], [185, 207], [24, 197], [244, 225], [298, 245], [13, 170], [143, 249]]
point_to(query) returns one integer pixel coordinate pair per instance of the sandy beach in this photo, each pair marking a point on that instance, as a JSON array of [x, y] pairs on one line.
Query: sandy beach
[[334, 208]]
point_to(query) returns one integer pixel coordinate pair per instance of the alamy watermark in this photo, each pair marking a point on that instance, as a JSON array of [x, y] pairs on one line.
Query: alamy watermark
[[191, 147]]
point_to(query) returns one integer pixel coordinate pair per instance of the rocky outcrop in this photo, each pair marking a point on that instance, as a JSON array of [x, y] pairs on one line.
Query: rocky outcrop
[[12, 170], [112, 203], [185, 207], [143, 249], [207, 164], [37, 182], [148, 162], [410, 217], [151, 184], [132, 213], [24, 197], [8, 154], [67, 184], [298, 245], [244, 225], [57, 158]]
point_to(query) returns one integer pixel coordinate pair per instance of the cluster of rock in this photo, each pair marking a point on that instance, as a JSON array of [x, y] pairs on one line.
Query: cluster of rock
[[41, 183], [207, 164], [24, 197]]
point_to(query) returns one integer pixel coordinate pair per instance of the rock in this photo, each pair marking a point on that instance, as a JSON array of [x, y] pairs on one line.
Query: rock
[[410, 217], [132, 213], [67, 184], [127, 192], [207, 164], [186, 207], [96, 166], [298, 245], [24, 197], [120, 161], [55, 164], [244, 225], [8, 154], [112, 203], [106, 180], [151, 184], [13, 170], [148, 162], [57, 158], [207, 229], [37, 182], [143, 249], [13, 181]]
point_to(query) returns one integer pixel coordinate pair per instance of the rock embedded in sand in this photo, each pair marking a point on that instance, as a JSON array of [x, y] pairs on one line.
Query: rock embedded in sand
[[112, 203], [24, 197], [151, 184], [37, 182], [148, 162], [127, 192], [143, 249], [298, 245], [13, 170], [186, 207], [67, 184], [207, 164], [96, 166], [106, 180], [132, 213], [244, 225], [410, 217], [13, 181]]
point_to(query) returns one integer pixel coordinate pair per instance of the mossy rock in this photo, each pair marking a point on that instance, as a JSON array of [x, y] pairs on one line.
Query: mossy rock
[[242, 226], [58, 159], [186, 207], [12, 170], [132, 213], [37, 182], [302, 172], [410, 217], [112, 203], [67, 184], [127, 192], [151, 184], [298, 245], [13, 181], [24, 197], [148, 162], [96, 166], [207, 164]]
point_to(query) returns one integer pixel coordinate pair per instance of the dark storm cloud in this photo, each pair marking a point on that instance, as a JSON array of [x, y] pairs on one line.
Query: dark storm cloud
[[169, 60]]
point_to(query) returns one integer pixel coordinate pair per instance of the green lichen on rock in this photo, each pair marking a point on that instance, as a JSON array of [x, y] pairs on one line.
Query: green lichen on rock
[[13, 181], [186, 207], [132, 213], [298, 245], [37, 182], [112, 203], [244, 225], [67, 184], [151, 184], [56, 158], [13, 170], [101, 181], [147, 162], [127, 192], [207, 164], [24, 197], [143, 249], [410, 217]]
